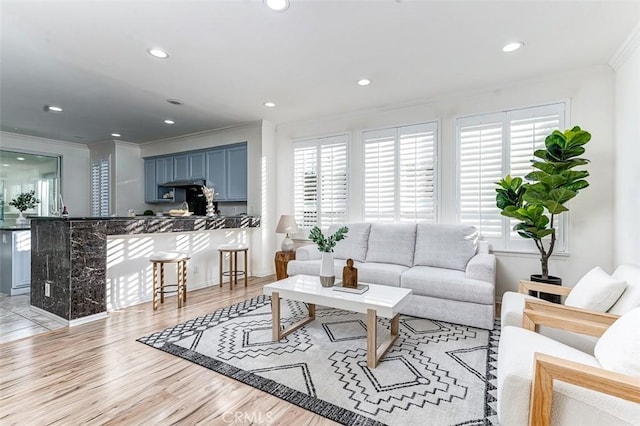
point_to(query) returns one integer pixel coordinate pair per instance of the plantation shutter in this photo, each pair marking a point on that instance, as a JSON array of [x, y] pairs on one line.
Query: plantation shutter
[[333, 180], [416, 176], [379, 175], [480, 167], [490, 146], [305, 184], [321, 181], [528, 129], [100, 188], [399, 174]]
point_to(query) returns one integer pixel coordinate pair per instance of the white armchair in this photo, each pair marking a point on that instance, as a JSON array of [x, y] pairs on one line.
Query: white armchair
[[542, 381], [513, 304]]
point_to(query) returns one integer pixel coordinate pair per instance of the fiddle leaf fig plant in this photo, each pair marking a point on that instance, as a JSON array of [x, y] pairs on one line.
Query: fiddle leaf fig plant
[[554, 182]]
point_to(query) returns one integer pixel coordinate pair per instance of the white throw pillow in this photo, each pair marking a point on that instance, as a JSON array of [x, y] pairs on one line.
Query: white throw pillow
[[597, 291], [619, 347]]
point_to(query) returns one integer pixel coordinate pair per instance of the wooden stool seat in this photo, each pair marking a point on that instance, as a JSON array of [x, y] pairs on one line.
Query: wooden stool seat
[[159, 259], [233, 271]]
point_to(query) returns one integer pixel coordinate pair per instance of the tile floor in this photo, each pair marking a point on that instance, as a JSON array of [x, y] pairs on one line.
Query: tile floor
[[18, 320]]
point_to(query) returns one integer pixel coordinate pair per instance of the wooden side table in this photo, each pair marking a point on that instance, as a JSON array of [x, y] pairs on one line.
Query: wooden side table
[[282, 258]]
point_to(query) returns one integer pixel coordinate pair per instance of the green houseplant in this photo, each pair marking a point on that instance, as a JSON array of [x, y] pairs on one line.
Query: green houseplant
[[24, 201], [536, 204], [326, 245]]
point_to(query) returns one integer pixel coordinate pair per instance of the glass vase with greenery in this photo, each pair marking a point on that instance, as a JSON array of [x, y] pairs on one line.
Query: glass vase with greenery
[[25, 201]]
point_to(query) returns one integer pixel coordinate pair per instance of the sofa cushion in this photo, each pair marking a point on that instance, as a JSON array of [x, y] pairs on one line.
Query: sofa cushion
[[307, 267], [445, 246], [447, 284], [618, 349], [392, 243], [354, 246], [596, 290], [380, 273], [631, 297]]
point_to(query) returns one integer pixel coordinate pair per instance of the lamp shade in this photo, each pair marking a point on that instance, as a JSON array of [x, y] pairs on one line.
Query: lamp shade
[[287, 225]]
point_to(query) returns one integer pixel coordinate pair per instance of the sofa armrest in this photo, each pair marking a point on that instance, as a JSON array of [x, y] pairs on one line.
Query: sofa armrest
[[308, 252], [577, 320], [482, 267], [526, 286], [548, 368]]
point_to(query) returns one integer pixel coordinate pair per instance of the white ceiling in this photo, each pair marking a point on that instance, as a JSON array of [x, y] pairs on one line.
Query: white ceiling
[[228, 57]]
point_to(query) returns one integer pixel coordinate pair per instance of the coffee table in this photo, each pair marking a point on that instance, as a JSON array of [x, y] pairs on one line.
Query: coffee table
[[378, 301]]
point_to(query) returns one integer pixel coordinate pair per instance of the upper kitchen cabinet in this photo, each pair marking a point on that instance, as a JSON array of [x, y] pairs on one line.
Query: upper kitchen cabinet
[[236, 158], [189, 166], [158, 171], [164, 170], [196, 165], [217, 172], [227, 172], [150, 186]]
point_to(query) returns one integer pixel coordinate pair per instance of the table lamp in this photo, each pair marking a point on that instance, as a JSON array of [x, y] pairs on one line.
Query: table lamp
[[287, 225]]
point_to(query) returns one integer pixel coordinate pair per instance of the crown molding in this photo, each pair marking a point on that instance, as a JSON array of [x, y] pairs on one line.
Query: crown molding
[[21, 136], [626, 49]]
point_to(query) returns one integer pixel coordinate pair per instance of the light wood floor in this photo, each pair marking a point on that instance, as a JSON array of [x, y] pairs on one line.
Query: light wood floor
[[97, 373]]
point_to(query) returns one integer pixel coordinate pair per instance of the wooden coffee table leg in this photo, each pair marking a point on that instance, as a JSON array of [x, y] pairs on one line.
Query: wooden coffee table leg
[[276, 333], [375, 353], [275, 315]]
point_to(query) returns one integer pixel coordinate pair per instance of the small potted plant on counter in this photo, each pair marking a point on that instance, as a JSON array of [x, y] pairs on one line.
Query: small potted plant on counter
[[24, 201]]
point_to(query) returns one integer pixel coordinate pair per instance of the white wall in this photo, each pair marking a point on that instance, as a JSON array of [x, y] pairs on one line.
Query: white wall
[[74, 170], [590, 94], [128, 180], [627, 172]]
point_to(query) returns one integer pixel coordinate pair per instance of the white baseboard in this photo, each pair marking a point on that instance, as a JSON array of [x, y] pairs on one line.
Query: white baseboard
[[71, 323]]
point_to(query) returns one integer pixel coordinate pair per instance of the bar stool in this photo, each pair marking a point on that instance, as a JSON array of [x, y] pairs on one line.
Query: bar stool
[[159, 259], [233, 272]]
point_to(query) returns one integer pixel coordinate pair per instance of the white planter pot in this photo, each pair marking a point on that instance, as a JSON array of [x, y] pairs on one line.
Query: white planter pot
[[327, 274], [21, 220]]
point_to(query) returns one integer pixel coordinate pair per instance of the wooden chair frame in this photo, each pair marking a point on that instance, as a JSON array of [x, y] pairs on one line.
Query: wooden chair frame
[[548, 368]]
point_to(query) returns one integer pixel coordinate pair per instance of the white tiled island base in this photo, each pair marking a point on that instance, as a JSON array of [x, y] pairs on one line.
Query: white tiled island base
[[378, 301]]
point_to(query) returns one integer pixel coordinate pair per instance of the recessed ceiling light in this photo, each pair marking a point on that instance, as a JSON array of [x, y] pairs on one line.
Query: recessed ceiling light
[[52, 108], [20, 158], [5, 165], [364, 82], [116, 135], [175, 101], [269, 104], [277, 5], [512, 46], [169, 122], [158, 53]]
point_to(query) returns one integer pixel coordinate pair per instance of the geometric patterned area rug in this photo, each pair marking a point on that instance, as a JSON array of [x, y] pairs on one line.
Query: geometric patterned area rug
[[436, 373]]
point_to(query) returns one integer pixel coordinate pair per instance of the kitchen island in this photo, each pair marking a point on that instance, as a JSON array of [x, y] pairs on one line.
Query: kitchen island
[[83, 267]]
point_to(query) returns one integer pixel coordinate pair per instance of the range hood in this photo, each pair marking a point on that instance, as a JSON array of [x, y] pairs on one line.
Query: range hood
[[185, 183]]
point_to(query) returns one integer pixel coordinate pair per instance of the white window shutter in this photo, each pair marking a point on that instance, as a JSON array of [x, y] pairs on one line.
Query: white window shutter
[[480, 168], [100, 188], [490, 146], [321, 181], [379, 175]]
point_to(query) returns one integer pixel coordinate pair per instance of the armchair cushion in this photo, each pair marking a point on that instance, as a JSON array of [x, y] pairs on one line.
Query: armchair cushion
[[596, 290], [631, 297], [619, 347]]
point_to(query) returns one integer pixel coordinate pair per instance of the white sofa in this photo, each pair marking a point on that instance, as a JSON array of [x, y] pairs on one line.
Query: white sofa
[[451, 277]]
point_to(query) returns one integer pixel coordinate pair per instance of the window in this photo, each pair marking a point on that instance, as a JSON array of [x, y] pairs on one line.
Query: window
[[320, 181], [100, 188], [490, 146], [400, 174]]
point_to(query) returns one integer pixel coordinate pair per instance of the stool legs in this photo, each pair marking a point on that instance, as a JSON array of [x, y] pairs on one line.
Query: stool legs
[[220, 267], [233, 271], [158, 284], [155, 286], [246, 271]]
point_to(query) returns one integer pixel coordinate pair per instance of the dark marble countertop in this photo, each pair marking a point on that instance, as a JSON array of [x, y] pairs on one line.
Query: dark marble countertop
[[14, 227], [148, 224]]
